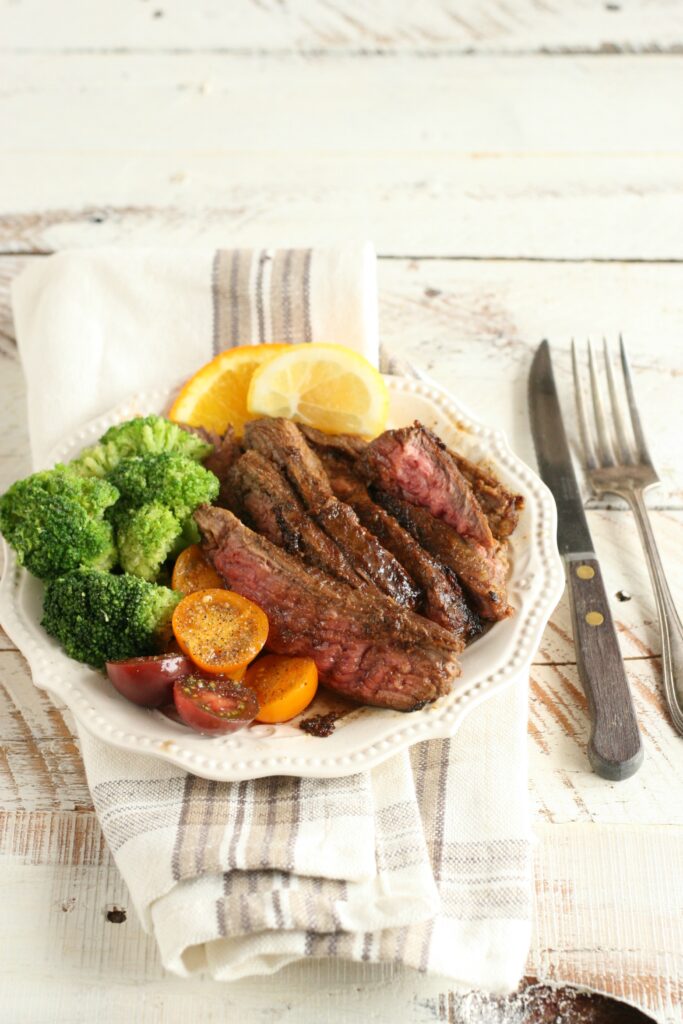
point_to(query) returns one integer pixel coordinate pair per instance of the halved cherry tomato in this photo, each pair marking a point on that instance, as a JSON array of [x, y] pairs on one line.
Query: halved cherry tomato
[[193, 571], [220, 630], [284, 685], [149, 681], [214, 705]]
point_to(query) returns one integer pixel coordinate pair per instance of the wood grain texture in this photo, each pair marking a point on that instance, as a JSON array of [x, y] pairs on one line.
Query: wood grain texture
[[493, 157], [40, 765], [587, 891], [433, 26]]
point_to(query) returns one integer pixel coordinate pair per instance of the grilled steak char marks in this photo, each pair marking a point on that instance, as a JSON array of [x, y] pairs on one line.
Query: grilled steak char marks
[[414, 465], [365, 647], [282, 442], [442, 599], [482, 573], [500, 506], [266, 502]]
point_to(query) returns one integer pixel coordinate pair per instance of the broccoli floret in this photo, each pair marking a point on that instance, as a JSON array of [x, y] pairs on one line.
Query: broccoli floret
[[171, 480], [190, 535], [148, 435], [54, 521], [145, 537], [98, 616]]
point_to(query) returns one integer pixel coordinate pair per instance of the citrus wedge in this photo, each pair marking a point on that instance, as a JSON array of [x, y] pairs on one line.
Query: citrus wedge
[[326, 386], [217, 393]]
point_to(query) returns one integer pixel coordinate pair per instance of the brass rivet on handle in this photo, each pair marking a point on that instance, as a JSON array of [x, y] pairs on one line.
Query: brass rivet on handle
[[595, 619], [585, 572]]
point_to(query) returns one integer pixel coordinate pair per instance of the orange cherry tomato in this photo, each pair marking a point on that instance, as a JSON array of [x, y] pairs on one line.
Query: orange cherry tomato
[[220, 630], [284, 686], [193, 571]]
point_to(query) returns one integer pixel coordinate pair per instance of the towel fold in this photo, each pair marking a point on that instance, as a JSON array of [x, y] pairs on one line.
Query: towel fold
[[425, 860]]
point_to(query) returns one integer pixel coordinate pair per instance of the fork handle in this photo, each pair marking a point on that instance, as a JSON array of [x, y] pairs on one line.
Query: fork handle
[[615, 748], [669, 622]]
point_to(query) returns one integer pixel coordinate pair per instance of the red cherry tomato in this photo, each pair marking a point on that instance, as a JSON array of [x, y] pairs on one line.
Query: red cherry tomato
[[149, 681], [214, 704]]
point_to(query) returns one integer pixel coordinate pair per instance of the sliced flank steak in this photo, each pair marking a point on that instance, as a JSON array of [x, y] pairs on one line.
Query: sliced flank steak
[[500, 506], [481, 572], [281, 441], [442, 598], [365, 646], [267, 503], [414, 465]]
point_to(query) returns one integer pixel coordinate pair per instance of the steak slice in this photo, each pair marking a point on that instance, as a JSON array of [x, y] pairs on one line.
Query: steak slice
[[267, 503], [500, 506], [349, 445], [481, 572], [282, 441], [442, 598], [226, 452], [365, 647], [414, 465]]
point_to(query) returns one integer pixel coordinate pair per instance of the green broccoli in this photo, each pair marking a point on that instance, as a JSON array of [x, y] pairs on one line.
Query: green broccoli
[[190, 535], [145, 537], [171, 480], [148, 435], [98, 616], [55, 522]]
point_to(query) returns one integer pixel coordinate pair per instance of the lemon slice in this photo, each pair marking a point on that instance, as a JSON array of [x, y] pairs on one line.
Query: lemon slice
[[326, 386], [217, 393]]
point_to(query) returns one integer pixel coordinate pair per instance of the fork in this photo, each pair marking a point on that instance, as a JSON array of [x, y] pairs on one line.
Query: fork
[[618, 462]]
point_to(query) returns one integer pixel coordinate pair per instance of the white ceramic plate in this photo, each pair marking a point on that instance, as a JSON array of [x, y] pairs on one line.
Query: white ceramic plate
[[365, 736]]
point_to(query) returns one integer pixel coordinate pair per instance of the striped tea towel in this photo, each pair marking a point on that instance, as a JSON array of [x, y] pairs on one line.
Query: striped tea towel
[[423, 861]]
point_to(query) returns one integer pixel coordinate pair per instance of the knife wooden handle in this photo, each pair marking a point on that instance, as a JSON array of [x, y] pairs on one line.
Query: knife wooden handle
[[615, 748]]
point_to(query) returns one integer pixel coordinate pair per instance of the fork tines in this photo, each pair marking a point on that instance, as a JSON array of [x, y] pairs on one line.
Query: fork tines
[[610, 443]]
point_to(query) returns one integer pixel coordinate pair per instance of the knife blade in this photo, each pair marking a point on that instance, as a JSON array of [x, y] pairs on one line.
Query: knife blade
[[615, 748]]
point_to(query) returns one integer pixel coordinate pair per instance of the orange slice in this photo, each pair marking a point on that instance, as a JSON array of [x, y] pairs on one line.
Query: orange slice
[[216, 395]]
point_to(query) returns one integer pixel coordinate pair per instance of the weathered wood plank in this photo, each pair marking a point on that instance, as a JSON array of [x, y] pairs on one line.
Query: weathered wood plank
[[562, 786], [562, 158], [474, 326], [432, 26], [40, 766], [593, 897]]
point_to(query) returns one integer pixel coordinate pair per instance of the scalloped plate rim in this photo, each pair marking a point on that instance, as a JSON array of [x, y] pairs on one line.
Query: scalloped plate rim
[[372, 734]]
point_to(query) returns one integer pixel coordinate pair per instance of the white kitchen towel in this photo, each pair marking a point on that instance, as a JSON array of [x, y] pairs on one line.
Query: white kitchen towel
[[423, 861]]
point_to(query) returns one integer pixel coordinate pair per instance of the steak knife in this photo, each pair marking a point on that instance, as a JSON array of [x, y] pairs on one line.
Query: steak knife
[[615, 748]]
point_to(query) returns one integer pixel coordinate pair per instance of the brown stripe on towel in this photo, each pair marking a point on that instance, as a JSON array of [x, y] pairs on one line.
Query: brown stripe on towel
[[232, 319], [206, 817], [180, 833], [308, 327], [263, 258], [290, 296], [215, 270], [277, 312]]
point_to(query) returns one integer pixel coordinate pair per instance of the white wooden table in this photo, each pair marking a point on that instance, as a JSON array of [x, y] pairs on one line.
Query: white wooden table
[[519, 166]]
